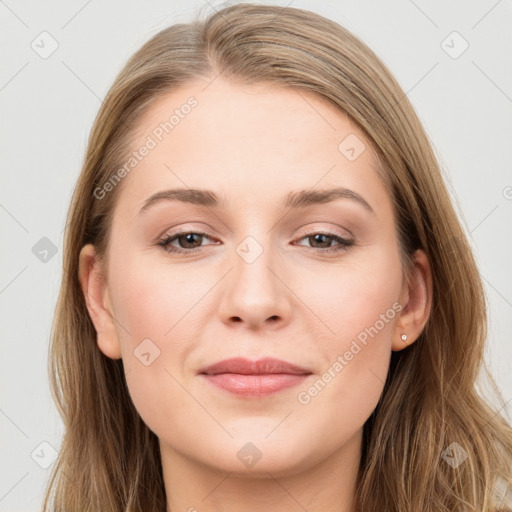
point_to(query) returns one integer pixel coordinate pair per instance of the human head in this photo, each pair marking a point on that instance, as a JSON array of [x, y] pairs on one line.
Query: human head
[[287, 49]]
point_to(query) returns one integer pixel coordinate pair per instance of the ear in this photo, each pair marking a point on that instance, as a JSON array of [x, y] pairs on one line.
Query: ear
[[416, 300], [97, 298]]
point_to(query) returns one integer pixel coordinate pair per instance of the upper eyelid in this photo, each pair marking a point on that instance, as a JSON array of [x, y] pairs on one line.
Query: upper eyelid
[[329, 231], [204, 231]]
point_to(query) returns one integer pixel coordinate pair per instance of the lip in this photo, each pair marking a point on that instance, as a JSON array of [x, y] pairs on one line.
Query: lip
[[254, 378], [247, 367]]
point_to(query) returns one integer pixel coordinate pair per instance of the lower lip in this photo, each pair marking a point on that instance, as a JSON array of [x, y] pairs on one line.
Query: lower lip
[[255, 385]]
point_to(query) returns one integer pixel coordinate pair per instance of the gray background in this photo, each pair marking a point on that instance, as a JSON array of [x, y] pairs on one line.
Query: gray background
[[48, 106]]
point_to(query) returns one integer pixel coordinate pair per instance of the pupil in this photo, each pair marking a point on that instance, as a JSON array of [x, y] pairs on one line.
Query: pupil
[[189, 238], [318, 238]]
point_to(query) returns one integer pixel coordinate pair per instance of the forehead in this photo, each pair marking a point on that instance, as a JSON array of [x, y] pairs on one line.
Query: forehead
[[250, 142]]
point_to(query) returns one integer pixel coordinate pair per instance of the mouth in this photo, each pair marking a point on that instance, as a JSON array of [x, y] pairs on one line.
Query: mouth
[[254, 378]]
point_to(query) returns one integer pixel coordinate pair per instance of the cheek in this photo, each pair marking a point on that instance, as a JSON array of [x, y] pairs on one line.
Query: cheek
[[154, 300], [358, 309], [155, 307], [352, 298]]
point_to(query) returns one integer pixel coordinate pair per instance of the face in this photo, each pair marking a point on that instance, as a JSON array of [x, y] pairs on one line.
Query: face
[[317, 284]]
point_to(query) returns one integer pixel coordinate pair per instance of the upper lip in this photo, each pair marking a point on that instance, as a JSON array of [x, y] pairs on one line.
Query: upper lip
[[247, 367]]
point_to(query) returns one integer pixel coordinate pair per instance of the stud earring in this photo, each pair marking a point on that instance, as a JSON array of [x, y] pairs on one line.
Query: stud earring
[[404, 338]]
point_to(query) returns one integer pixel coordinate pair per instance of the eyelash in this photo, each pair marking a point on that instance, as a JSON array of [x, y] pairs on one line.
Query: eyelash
[[165, 242]]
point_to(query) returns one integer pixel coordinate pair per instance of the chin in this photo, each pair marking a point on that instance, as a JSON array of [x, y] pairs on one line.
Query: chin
[[247, 459]]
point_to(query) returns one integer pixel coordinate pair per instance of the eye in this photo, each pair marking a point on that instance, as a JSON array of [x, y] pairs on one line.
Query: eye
[[190, 241], [325, 239]]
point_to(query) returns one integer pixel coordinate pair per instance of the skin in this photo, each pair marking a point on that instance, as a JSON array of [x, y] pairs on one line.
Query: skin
[[254, 144]]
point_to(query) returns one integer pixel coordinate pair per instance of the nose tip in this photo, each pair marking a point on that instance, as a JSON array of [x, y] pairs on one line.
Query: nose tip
[[255, 295]]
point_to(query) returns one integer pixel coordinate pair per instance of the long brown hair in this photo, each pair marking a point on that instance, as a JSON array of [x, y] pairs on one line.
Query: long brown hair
[[109, 460]]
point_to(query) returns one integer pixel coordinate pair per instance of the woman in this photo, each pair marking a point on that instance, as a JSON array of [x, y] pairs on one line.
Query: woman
[[206, 353]]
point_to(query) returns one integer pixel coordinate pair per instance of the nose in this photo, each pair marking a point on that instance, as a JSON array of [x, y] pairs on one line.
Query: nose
[[255, 291]]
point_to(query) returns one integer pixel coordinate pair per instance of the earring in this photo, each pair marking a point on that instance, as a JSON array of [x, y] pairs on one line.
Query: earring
[[404, 338]]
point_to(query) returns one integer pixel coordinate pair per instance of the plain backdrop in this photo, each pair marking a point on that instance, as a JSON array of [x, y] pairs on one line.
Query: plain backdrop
[[58, 61]]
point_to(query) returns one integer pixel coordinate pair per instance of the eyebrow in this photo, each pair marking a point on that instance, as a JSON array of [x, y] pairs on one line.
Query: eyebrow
[[294, 200]]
